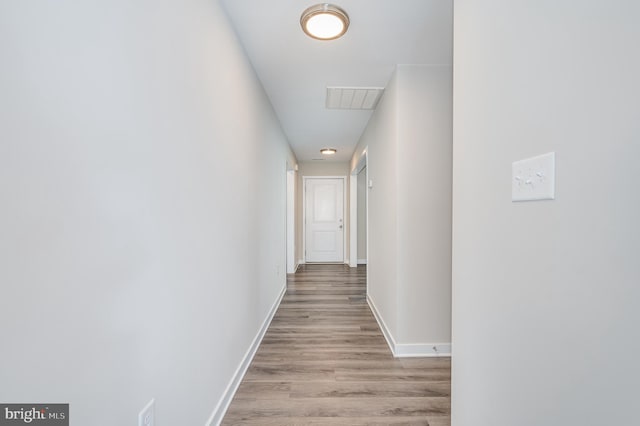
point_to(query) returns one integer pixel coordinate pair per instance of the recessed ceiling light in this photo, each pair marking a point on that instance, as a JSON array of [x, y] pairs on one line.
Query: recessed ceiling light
[[324, 21], [328, 151]]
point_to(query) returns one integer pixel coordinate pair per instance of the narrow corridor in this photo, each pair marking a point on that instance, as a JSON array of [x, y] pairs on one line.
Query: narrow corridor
[[324, 360]]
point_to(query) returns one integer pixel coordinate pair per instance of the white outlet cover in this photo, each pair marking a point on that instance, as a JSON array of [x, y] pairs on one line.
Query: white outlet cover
[[146, 417], [534, 178]]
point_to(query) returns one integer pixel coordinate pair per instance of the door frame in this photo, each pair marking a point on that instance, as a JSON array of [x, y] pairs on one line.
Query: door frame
[[344, 211], [363, 161], [290, 226], [353, 208]]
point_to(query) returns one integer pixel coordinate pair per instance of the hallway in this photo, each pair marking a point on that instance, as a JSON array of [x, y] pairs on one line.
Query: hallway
[[325, 361]]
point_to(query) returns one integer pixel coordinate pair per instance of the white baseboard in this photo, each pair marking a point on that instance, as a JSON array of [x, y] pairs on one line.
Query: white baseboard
[[232, 387], [421, 350], [385, 330], [300, 262], [411, 350], [362, 261], [295, 268]]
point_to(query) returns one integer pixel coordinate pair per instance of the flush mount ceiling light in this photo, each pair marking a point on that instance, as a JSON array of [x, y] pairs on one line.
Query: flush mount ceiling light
[[324, 21], [328, 151]]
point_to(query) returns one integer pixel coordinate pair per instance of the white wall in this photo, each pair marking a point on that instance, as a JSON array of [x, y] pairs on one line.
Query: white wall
[[424, 203], [409, 161], [545, 320], [142, 182], [381, 138]]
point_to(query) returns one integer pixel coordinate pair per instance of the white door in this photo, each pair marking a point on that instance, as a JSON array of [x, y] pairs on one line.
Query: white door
[[324, 221]]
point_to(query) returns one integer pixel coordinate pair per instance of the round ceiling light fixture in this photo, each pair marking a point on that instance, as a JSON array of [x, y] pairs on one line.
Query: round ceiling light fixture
[[328, 151], [324, 21]]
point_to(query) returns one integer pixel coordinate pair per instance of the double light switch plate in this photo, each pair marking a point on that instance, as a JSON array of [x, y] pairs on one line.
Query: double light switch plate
[[534, 178]]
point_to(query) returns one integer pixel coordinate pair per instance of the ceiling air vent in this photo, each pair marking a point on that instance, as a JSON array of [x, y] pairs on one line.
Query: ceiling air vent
[[353, 97]]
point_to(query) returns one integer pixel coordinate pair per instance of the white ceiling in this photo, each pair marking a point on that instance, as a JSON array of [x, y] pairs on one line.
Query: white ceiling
[[295, 70]]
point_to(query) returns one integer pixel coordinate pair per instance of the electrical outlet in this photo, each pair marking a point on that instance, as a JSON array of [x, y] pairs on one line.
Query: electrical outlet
[[146, 417], [534, 178]]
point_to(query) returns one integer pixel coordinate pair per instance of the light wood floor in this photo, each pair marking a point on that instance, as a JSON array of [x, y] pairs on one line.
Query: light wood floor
[[324, 361]]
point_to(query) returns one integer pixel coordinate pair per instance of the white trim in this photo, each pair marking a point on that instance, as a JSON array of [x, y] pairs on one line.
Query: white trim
[[290, 220], [223, 404], [300, 262], [363, 161], [304, 215], [353, 206], [353, 219], [362, 261], [422, 350], [383, 327], [408, 350]]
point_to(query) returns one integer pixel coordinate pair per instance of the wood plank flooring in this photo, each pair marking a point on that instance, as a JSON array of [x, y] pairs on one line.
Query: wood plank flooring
[[324, 361]]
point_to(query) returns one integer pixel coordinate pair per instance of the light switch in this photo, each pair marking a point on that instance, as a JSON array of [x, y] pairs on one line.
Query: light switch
[[534, 178]]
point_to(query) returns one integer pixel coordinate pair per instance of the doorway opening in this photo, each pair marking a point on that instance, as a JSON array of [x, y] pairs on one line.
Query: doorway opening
[[290, 220], [361, 226], [359, 213]]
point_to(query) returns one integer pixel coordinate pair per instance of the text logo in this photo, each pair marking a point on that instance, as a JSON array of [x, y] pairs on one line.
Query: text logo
[[34, 414]]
